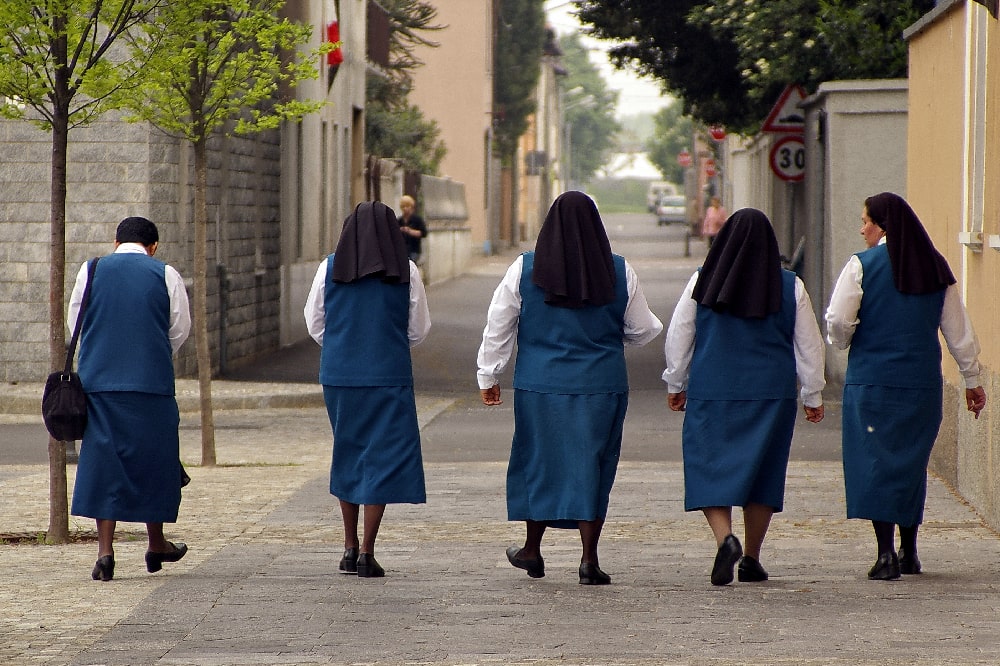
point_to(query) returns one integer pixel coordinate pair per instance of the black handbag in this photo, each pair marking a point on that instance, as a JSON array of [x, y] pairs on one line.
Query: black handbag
[[64, 404]]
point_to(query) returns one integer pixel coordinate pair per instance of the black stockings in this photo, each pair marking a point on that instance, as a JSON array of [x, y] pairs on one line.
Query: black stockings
[[885, 536]]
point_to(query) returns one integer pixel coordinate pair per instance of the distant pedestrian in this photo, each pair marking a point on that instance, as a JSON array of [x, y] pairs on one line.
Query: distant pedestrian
[[887, 307], [571, 306], [742, 335], [366, 308], [129, 467], [715, 217], [412, 227]]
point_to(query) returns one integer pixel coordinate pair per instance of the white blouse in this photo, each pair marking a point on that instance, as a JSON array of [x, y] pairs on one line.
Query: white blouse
[[419, 322], [960, 338], [500, 333], [807, 343]]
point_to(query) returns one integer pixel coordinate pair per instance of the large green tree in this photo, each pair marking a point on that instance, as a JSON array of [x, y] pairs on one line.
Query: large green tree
[[517, 57], [56, 69], [729, 59], [589, 111], [393, 126], [220, 63]]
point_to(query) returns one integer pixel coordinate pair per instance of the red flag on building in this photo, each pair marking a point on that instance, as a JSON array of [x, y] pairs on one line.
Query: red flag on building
[[336, 55]]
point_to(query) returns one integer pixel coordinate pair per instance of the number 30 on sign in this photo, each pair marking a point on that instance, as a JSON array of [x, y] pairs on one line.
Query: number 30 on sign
[[788, 158]]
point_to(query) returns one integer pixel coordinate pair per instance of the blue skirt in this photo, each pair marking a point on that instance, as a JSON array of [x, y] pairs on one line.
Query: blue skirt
[[376, 445], [129, 468], [888, 434], [564, 456], [736, 452]]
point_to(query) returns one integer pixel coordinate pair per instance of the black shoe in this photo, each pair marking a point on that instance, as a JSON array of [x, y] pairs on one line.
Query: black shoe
[[104, 569], [349, 562], [908, 564], [368, 567], [154, 560], [591, 574], [885, 568], [725, 559], [750, 571], [535, 568]]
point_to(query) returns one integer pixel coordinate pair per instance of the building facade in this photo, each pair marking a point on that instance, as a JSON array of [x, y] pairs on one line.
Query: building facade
[[953, 153]]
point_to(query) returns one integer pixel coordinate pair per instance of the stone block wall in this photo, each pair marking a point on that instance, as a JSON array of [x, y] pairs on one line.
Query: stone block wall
[[118, 169]]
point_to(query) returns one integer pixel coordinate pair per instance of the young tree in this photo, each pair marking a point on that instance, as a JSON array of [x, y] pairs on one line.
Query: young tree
[[55, 70], [220, 61]]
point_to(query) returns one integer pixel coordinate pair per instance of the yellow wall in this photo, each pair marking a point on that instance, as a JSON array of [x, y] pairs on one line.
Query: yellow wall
[[967, 452]]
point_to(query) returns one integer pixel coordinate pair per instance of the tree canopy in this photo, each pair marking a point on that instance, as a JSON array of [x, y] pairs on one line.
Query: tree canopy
[[729, 60]]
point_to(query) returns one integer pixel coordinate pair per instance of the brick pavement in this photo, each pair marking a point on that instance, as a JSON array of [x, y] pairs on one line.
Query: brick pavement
[[259, 585]]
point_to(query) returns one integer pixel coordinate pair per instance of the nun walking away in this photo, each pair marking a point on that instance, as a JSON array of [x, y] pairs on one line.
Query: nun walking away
[[571, 306], [366, 309], [887, 307], [742, 334], [136, 318]]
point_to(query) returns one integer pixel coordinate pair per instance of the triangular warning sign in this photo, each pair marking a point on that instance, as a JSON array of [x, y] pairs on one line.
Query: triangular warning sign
[[786, 116]]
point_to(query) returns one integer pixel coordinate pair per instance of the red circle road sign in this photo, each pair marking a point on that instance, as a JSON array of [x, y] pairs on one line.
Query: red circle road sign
[[788, 158], [684, 158]]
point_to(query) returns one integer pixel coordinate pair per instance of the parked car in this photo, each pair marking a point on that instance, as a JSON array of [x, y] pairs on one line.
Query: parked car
[[656, 191], [671, 209]]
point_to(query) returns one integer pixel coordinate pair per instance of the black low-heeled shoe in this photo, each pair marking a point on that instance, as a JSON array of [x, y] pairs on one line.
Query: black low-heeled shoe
[[155, 560], [349, 562], [885, 568], [909, 564], [104, 569], [725, 559], [750, 571], [535, 568], [368, 567], [591, 574]]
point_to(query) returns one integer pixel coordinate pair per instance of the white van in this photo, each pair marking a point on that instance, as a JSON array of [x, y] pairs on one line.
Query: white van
[[657, 189]]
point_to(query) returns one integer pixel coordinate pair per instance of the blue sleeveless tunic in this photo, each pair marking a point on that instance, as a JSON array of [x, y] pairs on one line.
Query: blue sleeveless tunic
[[570, 399], [367, 378], [741, 407], [892, 397], [129, 467]]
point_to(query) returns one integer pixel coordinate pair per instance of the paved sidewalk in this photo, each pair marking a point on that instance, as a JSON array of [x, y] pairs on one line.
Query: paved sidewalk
[[259, 585]]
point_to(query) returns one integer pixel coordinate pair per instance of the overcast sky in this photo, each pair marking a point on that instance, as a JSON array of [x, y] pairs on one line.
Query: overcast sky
[[636, 95]]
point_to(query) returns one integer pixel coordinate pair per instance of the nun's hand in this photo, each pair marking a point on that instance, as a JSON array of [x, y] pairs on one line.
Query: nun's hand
[[814, 414], [491, 396], [677, 401], [975, 398]]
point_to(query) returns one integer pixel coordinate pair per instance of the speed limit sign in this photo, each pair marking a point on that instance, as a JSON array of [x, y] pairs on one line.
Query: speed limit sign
[[788, 158]]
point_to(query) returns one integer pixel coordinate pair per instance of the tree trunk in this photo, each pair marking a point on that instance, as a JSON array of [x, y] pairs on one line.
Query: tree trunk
[[201, 302], [58, 531]]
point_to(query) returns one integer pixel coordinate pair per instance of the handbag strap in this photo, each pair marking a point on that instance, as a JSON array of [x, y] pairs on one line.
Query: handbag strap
[[79, 317]]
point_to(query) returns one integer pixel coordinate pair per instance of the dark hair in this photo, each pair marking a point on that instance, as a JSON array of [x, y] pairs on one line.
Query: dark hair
[[137, 230]]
